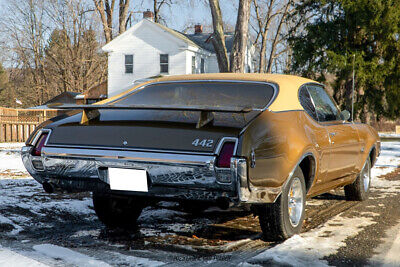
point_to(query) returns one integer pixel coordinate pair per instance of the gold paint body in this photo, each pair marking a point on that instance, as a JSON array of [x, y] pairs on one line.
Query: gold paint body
[[284, 133], [281, 136]]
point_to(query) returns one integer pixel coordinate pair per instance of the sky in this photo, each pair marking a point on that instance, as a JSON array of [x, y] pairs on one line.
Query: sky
[[177, 16], [190, 12]]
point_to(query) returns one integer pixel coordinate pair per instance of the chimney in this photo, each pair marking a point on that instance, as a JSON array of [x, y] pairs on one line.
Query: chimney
[[148, 15], [198, 28]]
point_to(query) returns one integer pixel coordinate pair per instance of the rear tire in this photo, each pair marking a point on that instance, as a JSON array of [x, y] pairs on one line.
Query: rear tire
[[117, 212], [284, 218], [359, 189]]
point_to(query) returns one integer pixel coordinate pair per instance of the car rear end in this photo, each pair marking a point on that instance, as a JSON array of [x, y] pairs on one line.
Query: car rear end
[[168, 154], [170, 175]]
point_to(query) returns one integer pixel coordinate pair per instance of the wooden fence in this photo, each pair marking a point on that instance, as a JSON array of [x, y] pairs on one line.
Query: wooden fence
[[17, 124]]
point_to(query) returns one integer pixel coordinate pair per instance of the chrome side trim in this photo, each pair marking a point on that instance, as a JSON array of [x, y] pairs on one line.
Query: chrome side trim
[[290, 110]]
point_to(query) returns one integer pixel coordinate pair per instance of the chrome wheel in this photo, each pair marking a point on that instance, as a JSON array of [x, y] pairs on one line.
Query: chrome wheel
[[366, 176], [295, 202]]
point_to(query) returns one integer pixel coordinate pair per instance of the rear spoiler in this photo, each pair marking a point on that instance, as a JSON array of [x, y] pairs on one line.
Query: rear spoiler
[[91, 112]]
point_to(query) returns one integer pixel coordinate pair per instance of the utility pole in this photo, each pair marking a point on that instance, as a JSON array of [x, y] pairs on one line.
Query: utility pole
[[352, 94]]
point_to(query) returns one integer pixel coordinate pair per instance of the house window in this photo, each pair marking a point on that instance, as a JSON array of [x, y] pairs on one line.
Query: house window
[[164, 63], [193, 65], [203, 66], [128, 63]]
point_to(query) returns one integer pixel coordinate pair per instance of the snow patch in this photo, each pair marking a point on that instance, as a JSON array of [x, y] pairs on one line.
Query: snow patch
[[135, 261], [86, 233], [308, 248], [68, 255], [391, 135], [10, 258], [10, 159]]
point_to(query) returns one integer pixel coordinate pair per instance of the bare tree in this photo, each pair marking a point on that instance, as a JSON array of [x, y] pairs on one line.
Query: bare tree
[[24, 26], [239, 47], [157, 5], [263, 23], [272, 24], [53, 48], [105, 8], [275, 40], [218, 38], [72, 57]]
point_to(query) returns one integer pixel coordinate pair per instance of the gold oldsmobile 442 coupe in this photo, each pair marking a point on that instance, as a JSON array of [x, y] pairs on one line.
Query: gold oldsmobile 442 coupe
[[261, 142]]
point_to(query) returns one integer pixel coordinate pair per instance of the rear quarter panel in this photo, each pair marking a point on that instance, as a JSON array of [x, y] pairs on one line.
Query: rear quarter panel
[[370, 142], [279, 141]]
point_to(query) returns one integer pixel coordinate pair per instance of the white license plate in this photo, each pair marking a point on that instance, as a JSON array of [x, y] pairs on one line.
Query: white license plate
[[128, 179]]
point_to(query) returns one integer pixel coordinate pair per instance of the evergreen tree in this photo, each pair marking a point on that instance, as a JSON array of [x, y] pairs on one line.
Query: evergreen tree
[[340, 31]]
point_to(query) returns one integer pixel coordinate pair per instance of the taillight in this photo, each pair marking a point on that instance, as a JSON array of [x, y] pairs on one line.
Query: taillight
[[37, 150], [225, 155]]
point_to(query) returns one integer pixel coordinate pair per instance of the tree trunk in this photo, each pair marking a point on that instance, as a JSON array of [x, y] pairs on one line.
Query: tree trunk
[[239, 48], [123, 12], [261, 67], [106, 13], [156, 13], [218, 39]]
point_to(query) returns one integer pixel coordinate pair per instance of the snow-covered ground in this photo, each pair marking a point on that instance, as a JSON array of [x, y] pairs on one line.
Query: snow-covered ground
[[389, 135], [19, 191], [11, 165]]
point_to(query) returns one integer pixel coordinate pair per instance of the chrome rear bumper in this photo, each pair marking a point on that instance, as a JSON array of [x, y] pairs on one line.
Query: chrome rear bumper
[[170, 175]]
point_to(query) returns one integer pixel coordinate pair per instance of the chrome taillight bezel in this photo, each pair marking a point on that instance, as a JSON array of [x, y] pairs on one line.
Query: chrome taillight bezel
[[37, 138], [224, 175], [219, 149]]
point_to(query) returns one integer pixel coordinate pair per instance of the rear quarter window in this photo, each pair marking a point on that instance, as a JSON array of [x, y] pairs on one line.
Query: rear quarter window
[[307, 103]]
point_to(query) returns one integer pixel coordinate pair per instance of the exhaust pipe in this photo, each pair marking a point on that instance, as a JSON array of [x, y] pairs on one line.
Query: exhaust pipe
[[48, 188]]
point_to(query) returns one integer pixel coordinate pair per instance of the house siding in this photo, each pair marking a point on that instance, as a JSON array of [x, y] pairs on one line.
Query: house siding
[[146, 45], [146, 41]]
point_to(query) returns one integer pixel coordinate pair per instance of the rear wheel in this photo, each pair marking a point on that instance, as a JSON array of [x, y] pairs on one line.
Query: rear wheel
[[359, 189], [117, 212], [284, 218]]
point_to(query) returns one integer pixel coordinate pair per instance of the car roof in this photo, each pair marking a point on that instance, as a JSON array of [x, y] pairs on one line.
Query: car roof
[[288, 86]]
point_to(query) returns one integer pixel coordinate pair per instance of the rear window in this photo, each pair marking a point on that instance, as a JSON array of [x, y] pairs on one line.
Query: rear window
[[202, 95]]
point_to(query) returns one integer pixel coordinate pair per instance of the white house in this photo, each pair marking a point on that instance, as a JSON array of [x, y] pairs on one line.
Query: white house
[[150, 49]]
